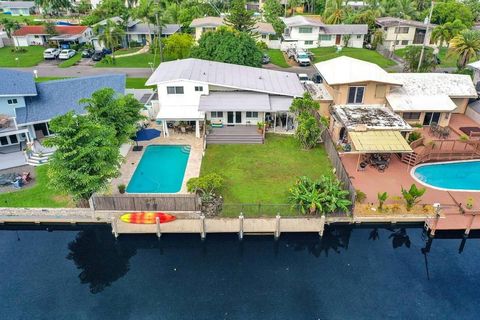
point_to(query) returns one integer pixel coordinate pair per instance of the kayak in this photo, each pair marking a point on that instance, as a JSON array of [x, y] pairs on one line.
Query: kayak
[[147, 217]]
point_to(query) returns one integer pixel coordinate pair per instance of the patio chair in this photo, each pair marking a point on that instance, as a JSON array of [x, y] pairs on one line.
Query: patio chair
[[183, 130]]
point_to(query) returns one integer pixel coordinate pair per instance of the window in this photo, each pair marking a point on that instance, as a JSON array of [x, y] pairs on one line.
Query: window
[[3, 141], [308, 42], [305, 30], [252, 114], [216, 114], [404, 42], [380, 91], [198, 88], [401, 29], [12, 101], [411, 115], [264, 36], [175, 90], [355, 94], [325, 37], [359, 36]]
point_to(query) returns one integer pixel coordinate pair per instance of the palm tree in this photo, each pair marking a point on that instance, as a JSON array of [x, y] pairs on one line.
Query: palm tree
[[111, 36], [334, 12], [404, 9], [145, 13], [445, 32], [10, 26], [466, 45]]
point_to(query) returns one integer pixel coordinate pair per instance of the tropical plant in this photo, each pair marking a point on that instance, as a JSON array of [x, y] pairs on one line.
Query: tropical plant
[[412, 196], [466, 45], [111, 35], [445, 11], [335, 11], [308, 130], [325, 195], [121, 188], [382, 197], [445, 32], [304, 104], [412, 58], [377, 38], [404, 9], [413, 136], [178, 46], [122, 113], [207, 186], [239, 17], [53, 6], [360, 196], [86, 157]]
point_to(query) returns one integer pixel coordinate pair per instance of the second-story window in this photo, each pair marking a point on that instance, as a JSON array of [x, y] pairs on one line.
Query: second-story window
[[199, 88], [305, 30], [355, 94], [175, 90], [401, 29], [12, 101]]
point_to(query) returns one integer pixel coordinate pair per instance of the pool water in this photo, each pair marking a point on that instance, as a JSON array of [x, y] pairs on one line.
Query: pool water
[[161, 169], [464, 175]]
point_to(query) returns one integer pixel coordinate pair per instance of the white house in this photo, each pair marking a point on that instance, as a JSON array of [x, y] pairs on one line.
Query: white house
[[399, 33], [310, 32], [226, 94], [37, 35], [18, 8], [264, 30]]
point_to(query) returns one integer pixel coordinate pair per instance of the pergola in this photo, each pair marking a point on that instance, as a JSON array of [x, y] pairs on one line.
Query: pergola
[[190, 113]]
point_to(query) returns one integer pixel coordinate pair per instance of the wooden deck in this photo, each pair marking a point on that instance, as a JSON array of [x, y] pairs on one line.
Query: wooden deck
[[239, 134]]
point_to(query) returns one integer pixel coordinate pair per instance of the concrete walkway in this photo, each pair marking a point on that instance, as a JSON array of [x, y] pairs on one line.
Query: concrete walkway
[[143, 50]]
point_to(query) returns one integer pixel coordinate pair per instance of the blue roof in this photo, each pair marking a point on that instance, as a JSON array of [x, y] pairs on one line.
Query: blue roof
[[61, 96], [16, 83]]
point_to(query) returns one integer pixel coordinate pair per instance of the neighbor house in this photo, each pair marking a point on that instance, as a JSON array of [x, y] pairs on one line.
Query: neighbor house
[[399, 33], [18, 8], [65, 36], [310, 32], [263, 30], [227, 95], [26, 107]]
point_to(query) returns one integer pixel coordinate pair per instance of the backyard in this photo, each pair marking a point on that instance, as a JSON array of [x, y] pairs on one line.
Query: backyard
[[327, 53], [40, 195], [31, 57], [263, 174]]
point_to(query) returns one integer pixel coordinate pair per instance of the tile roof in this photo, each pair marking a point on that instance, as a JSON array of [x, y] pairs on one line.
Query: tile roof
[[19, 83], [229, 75], [60, 96], [26, 30]]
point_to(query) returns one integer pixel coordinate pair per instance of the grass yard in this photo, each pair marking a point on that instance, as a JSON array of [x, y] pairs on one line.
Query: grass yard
[[137, 61], [277, 58], [72, 61], [19, 19], [263, 173], [327, 53], [38, 196], [131, 83], [30, 58], [446, 61]]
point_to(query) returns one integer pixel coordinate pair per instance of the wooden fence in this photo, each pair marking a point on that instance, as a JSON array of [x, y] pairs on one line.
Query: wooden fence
[[161, 202], [340, 170]]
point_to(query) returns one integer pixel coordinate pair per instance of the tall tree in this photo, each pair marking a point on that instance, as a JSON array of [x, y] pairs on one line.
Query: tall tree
[[450, 10], [144, 12], [86, 157], [111, 36], [53, 7], [445, 32], [272, 10], [412, 58], [178, 46], [404, 9], [466, 45], [239, 17], [335, 11]]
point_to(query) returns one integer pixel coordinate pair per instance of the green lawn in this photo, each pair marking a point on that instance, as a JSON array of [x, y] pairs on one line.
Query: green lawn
[[20, 19], [137, 61], [39, 196], [30, 58], [263, 173], [126, 51], [70, 62], [446, 61], [131, 83], [327, 53], [277, 58]]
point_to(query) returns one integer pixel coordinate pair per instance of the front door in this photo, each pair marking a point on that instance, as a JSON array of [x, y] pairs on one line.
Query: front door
[[230, 117], [431, 118], [338, 39], [238, 117]]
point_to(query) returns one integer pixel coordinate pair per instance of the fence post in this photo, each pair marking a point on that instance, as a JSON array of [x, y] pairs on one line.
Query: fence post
[[157, 221], [91, 203], [277, 227], [203, 233], [322, 225], [240, 220], [114, 227]]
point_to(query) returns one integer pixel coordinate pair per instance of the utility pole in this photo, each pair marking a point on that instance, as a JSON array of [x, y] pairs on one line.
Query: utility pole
[[425, 39], [397, 30]]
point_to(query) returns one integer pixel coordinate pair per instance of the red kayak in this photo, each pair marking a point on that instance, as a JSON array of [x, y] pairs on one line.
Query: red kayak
[[147, 217]]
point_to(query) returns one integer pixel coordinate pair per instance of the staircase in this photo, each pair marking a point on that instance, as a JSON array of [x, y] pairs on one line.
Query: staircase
[[186, 149], [410, 158], [38, 155]]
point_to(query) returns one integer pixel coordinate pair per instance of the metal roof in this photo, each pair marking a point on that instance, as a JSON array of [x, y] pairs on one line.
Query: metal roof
[[234, 101], [388, 141], [16, 83], [300, 21], [397, 22], [61, 96], [228, 75]]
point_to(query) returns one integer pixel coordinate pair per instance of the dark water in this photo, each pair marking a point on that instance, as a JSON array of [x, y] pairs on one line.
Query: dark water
[[356, 273]]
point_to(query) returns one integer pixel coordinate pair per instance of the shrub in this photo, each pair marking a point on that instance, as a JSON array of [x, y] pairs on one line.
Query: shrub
[[308, 131], [412, 196], [206, 186], [360, 196], [413, 136], [262, 45], [134, 44], [382, 197], [121, 188]]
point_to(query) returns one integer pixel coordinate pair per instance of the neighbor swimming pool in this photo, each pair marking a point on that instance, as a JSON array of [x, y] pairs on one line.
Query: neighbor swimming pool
[[161, 169], [456, 175]]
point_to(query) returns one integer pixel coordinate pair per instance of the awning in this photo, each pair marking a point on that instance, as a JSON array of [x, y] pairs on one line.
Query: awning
[[235, 101], [388, 141], [280, 103], [409, 103], [184, 113]]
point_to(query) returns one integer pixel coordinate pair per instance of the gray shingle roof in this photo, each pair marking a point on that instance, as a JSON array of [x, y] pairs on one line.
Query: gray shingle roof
[[143, 28], [16, 83], [229, 75], [345, 28], [260, 27], [60, 96], [397, 22]]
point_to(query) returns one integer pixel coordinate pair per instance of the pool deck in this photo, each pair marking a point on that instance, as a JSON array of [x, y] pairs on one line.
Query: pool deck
[[133, 158]]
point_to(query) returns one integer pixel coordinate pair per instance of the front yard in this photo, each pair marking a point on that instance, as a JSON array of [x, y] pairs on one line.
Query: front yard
[[277, 58], [257, 174], [38, 196], [327, 53], [137, 61], [30, 58]]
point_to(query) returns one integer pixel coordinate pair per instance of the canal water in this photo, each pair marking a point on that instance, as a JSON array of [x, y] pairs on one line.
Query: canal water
[[352, 273]]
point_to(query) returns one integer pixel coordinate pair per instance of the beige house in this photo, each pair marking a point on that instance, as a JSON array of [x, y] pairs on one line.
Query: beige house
[[264, 30]]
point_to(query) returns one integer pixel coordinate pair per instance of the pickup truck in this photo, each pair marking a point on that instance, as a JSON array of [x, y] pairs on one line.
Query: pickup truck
[[302, 58]]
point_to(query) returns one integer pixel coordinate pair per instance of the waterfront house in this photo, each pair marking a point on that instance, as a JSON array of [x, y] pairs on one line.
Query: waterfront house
[[308, 32], [399, 33], [64, 37], [18, 8], [263, 30], [227, 95]]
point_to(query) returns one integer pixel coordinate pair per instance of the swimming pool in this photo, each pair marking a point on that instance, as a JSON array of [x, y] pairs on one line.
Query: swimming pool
[[161, 169], [453, 175]]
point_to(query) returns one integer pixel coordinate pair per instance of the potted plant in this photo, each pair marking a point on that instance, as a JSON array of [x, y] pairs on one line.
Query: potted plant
[[121, 188], [260, 126]]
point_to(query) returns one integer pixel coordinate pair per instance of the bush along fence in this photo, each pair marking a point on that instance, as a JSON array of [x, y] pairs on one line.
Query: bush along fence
[[340, 170]]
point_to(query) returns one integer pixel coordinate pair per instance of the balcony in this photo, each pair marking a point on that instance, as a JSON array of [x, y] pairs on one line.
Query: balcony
[[7, 124]]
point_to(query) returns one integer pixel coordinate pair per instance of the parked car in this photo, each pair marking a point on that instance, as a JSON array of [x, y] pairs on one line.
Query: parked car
[[303, 77], [302, 58], [265, 59], [97, 56], [66, 54], [106, 51], [317, 78], [88, 53], [51, 53]]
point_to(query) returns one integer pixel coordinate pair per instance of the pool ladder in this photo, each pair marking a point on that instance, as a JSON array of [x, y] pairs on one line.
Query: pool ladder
[[186, 149]]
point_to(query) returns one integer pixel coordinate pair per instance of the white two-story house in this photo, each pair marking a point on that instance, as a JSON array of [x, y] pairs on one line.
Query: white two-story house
[[310, 32]]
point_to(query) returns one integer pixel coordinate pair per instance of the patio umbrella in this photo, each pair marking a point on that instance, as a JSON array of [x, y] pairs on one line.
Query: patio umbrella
[[145, 135]]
